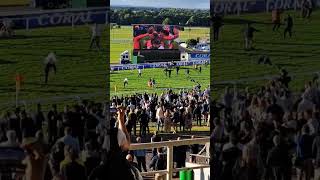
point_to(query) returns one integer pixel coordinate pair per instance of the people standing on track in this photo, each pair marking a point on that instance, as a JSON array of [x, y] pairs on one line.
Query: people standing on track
[[289, 26], [125, 82], [50, 63], [177, 70], [139, 72], [217, 24], [306, 8], [95, 36], [248, 36], [276, 19]]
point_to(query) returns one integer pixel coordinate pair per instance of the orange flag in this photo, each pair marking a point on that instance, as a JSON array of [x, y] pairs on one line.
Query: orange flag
[[19, 80]]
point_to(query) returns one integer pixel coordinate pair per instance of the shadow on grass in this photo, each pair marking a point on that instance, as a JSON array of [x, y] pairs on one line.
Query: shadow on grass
[[66, 85], [242, 21], [3, 61], [29, 37]]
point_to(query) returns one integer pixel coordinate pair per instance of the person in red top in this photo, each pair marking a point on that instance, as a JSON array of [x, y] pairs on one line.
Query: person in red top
[[276, 19], [155, 40], [167, 38], [150, 35]]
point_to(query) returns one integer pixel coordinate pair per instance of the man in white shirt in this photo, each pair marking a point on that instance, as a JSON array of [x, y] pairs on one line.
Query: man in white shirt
[[50, 63], [159, 116], [125, 82], [96, 35], [140, 72]]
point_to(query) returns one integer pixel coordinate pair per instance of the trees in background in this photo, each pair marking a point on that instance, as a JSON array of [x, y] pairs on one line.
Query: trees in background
[[183, 17]]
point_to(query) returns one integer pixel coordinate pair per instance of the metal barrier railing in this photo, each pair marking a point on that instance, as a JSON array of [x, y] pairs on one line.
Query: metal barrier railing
[[170, 144]]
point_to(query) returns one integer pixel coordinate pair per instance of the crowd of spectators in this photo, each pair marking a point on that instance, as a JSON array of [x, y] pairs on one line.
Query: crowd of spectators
[[269, 133], [76, 143], [170, 110]]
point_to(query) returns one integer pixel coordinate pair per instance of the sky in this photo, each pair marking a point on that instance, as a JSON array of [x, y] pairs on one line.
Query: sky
[[190, 4]]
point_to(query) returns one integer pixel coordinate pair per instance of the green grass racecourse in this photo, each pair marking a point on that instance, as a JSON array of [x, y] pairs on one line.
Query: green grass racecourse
[[300, 55], [80, 72], [139, 84], [121, 39]]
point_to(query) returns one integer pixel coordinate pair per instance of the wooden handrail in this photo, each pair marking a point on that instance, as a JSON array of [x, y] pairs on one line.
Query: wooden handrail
[[169, 143]]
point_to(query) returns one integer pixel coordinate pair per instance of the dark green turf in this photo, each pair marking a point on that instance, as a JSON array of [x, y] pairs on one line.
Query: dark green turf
[[300, 55]]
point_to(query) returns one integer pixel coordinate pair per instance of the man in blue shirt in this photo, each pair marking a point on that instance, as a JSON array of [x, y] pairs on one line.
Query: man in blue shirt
[[141, 157]]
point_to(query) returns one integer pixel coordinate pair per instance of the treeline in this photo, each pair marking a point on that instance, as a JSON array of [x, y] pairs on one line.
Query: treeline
[[183, 17]]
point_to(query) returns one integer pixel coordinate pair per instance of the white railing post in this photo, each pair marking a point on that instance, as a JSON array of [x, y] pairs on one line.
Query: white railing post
[[169, 162], [27, 24], [72, 21]]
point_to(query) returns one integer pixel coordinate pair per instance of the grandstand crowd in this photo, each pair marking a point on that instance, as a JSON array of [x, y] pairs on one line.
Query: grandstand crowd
[[76, 143], [269, 133], [170, 110]]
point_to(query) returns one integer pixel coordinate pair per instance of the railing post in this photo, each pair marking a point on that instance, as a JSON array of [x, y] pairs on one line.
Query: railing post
[[169, 162]]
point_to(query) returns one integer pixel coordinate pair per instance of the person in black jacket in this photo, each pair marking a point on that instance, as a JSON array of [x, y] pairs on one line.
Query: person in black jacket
[[217, 24], [197, 114], [144, 123], [39, 118], [194, 149], [155, 138], [73, 170], [180, 154], [278, 159], [175, 118], [158, 162], [53, 117]]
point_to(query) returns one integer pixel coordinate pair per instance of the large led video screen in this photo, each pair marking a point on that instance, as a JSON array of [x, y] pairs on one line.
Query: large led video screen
[[155, 36]]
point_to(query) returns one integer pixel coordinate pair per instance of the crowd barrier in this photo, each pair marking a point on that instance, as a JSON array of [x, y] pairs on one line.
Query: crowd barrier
[[65, 17], [251, 6], [120, 67]]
